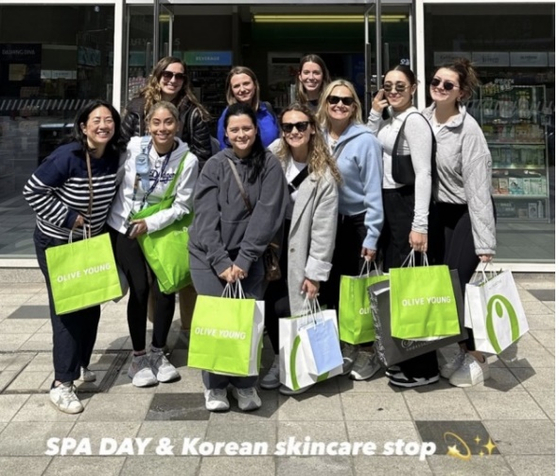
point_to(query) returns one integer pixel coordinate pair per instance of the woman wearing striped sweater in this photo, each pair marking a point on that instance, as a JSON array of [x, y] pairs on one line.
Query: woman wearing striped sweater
[[59, 193]]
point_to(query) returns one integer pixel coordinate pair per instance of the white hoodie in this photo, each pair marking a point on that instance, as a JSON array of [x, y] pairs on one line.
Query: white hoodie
[[125, 202]]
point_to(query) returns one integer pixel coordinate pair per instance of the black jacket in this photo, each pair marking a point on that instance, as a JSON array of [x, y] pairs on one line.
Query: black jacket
[[193, 129]]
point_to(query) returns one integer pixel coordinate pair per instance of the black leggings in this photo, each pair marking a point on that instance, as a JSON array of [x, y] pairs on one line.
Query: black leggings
[[131, 260]]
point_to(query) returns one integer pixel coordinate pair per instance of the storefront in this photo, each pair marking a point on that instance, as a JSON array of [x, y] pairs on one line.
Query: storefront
[[66, 53]]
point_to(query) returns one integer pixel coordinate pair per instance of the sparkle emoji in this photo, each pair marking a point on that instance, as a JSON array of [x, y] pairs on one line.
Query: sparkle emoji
[[453, 450]]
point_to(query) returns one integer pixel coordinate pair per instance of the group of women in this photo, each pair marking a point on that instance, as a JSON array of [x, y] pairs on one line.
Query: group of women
[[315, 180]]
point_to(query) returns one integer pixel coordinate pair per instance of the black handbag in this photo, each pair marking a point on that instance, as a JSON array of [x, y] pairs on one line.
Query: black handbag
[[402, 166], [272, 271]]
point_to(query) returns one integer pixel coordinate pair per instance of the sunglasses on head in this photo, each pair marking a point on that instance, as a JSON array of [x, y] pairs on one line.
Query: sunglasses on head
[[346, 101], [168, 75], [447, 85], [399, 87], [287, 127]]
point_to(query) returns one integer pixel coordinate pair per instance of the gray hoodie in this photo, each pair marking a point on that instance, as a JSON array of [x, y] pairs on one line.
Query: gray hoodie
[[464, 175], [224, 232]]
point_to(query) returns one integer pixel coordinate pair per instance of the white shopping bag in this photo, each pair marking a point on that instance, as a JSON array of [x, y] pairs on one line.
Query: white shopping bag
[[494, 312], [297, 366]]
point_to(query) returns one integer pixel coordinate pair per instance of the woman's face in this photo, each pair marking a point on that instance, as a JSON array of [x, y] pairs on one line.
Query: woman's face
[[447, 90], [296, 129], [241, 132], [171, 81], [242, 87], [337, 110], [162, 128], [311, 77], [99, 128], [398, 90]]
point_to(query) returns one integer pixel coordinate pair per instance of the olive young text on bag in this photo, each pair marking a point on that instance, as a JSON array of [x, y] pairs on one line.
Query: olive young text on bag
[[166, 250], [494, 312], [226, 333]]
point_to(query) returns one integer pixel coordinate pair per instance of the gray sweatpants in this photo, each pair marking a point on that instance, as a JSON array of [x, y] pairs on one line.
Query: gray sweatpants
[[208, 283]]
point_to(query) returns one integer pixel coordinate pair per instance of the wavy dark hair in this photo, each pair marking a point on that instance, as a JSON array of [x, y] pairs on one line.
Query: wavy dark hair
[[257, 154], [115, 146], [467, 76]]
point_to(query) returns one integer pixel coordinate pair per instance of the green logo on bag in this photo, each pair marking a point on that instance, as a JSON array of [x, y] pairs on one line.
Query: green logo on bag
[[293, 365], [499, 303]]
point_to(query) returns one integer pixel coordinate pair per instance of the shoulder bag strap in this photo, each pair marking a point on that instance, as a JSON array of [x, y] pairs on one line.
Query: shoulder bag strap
[[169, 192], [90, 177], [298, 180], [240, 184]]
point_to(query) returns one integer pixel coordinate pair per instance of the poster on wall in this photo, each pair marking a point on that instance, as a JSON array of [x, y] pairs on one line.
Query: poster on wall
[[20, 66]]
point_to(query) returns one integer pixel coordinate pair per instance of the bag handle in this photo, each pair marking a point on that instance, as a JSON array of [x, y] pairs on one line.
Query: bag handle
[[240, 184], [367, 267], [233, 291], [409, 262]]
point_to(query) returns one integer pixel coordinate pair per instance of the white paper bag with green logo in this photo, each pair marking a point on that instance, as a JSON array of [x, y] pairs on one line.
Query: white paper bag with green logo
[[226, 334], [496, 314], [356, 322], [297, 370], [82, 274], [422, 302]]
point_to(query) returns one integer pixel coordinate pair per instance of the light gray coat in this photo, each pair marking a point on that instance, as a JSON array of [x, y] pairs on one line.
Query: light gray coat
[[312, 235]]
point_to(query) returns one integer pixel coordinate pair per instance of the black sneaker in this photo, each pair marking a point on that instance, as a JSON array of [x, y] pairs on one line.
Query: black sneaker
[[391, 371], [402, 380]]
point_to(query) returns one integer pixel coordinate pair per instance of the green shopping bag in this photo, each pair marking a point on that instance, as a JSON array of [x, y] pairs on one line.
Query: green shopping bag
[[82, 274], [166, 250], [226, 335], [356, 321], [422, 302]]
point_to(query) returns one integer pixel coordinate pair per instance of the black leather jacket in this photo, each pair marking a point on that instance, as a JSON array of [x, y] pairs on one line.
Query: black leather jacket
[[193, 129]]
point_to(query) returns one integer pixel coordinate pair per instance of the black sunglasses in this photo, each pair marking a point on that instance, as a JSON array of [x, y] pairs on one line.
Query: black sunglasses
[[447, 85], [287, 127], [399, 87], [346, 101], [168, 75]]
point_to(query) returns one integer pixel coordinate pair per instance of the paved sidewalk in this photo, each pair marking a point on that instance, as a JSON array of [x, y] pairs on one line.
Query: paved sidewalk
[[506, 426]]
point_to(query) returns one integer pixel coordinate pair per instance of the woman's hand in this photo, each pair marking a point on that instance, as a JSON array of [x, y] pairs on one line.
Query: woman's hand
[[367, 254], [418, 241], [227, 275], [79, 222], [311, 288], [237, 273], [379, 102], [485, 258], [140, 228]]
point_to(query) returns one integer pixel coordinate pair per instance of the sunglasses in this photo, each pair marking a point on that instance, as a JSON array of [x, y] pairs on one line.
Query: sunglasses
[[168, 75], [399, 87], [447, 85], [346, 101], [287, 127]]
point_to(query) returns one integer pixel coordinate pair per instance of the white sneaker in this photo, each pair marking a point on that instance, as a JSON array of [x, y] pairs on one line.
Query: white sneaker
[[453, 365], [64, 398], [247, 398], [285, 390], [272, 379], [164, 370], [216, 399], [365, 366], [140, 372], [349, 354], [87, 375], [471, 372]]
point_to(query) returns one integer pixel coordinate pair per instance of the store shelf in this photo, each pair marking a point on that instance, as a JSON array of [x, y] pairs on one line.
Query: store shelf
[[525, 167], [517, 143], [525, 197]]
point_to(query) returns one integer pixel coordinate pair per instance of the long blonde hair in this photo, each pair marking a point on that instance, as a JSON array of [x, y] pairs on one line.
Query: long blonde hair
[[323, 118], [319, 157]]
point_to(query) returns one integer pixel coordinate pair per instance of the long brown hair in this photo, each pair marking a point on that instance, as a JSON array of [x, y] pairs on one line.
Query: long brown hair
[[467, 76], [230, 97], [302, 96], [152, 91], [319, 157]]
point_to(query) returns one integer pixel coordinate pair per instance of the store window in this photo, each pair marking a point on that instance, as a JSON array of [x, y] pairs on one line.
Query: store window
[[512, 47], [51, 64]]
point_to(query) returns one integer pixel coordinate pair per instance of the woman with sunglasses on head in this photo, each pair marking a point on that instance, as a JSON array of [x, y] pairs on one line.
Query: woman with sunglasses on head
[[310, 225], [462, 231], [242, 87], [406, 207], [358, 156], [72, 189], [228, 238], [169, 82], [312, 77], [146, 179]]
